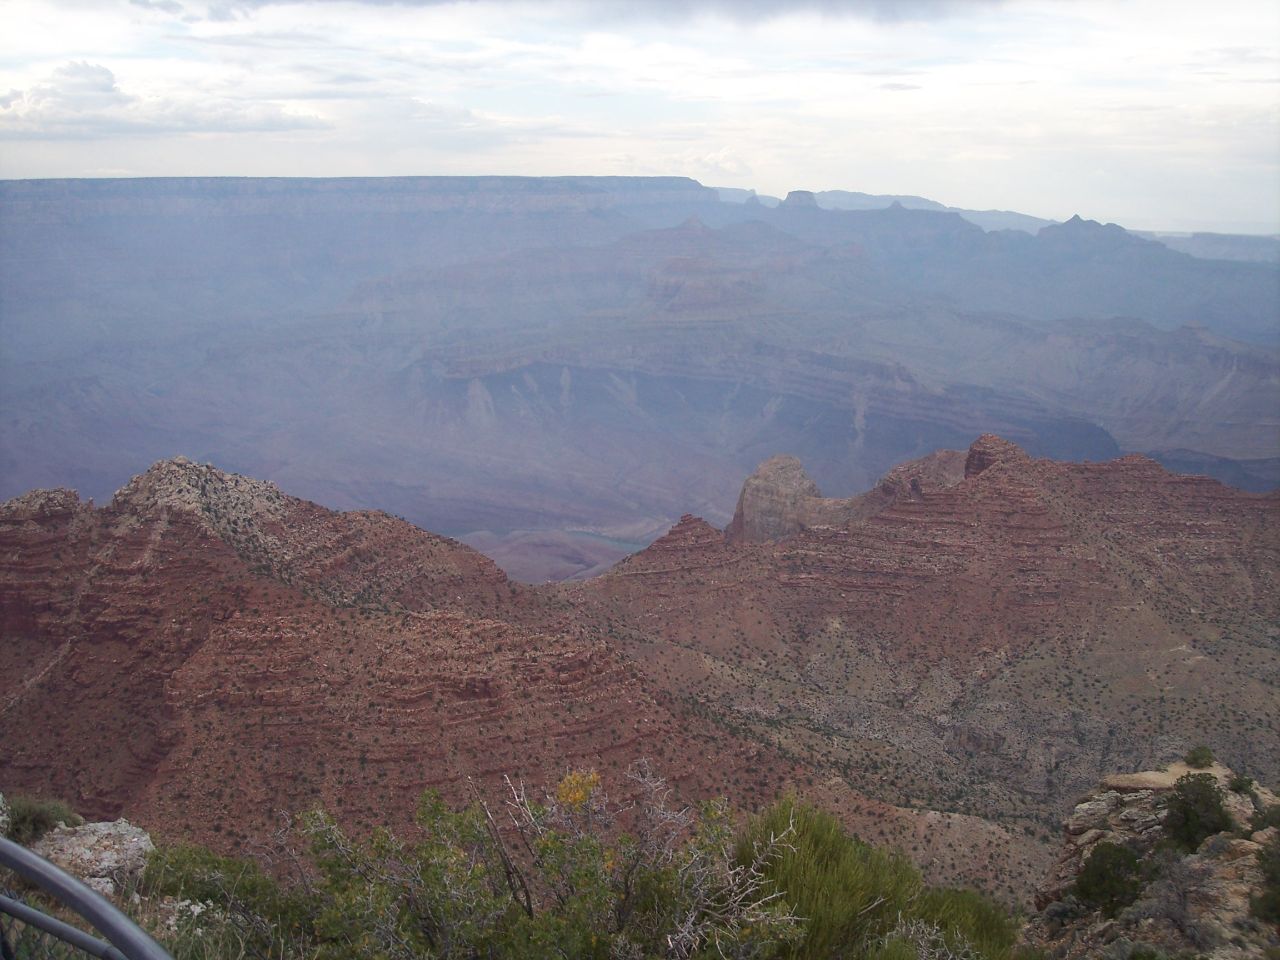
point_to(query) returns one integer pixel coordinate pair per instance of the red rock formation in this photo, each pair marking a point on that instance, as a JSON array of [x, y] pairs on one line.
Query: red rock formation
[[206, 652], [991, 644], [989, 450], [780, 499]]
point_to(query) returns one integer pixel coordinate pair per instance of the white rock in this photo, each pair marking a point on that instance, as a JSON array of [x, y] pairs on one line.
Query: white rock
[[109, 857]]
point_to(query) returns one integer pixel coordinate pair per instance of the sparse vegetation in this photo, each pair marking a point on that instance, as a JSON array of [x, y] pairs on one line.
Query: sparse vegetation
[[254, 913], [1239, 783], [1195, 811], [1268, 817], [30, 818], [1110, 879], [1266, 905], [556, 877], [1199, 757]]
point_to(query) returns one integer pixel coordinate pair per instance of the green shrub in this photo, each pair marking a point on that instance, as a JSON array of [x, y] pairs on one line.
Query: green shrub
[[1195, 810], [1109, 879], [848, 892], [1266, 905], [31, 818], [1199, 757], [895, 948], [1268, 817], [564, 885], [1239, 783], [792, 883], [264, 915], [978, 920], [861, 901]]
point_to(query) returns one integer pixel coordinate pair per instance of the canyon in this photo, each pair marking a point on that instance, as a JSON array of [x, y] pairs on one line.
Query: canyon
[[556, 369], [983, 632], [947, 661]]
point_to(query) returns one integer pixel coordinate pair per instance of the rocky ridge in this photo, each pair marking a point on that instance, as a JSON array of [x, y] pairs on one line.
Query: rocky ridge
[[991, 645], [344, 558], [206, 652], [946, 665]]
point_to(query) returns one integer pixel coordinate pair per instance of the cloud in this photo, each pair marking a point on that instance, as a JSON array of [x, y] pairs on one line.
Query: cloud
[[900, 86], [887, 11], [81, 101], [164, 6]]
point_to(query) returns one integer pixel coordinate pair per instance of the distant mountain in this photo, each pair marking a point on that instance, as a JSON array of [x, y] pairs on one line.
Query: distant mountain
[[1205, 246], [986, 219], [594, 355], [741, 195], [1222, 246], [852, 200]]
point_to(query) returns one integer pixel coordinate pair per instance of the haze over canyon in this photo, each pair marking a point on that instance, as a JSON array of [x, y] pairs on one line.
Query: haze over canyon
[[557, 368]]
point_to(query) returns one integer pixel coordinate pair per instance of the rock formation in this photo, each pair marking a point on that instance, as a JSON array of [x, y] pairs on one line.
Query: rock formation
[[206, 652], [777, 500], [780, 499], [1197, 902], [109, 857], [947, 664], [990, 645], [989, 450]]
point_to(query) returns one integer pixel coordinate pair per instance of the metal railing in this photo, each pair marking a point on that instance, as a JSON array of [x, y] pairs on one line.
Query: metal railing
[[28, 932]]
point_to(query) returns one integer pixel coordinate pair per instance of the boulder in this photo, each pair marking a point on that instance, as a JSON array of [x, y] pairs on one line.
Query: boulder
[[108, 857]]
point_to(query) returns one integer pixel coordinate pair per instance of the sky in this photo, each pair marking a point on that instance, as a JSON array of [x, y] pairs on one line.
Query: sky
[[1155, 114]]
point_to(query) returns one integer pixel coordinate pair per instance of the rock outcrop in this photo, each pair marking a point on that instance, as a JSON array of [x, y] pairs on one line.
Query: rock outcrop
[[109, 857], [1198, 902], [780, 499], [802, 199], [1128, 809], [988, 450]]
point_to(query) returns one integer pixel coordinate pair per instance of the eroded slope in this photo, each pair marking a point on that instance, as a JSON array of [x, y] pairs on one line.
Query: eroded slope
[[991, 645]]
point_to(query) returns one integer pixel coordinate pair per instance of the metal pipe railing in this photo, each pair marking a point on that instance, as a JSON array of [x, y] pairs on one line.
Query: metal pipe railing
[[125, 939], [56, 928]]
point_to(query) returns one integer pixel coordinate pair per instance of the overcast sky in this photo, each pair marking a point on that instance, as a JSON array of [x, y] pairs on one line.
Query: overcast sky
[[1156, 115]]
